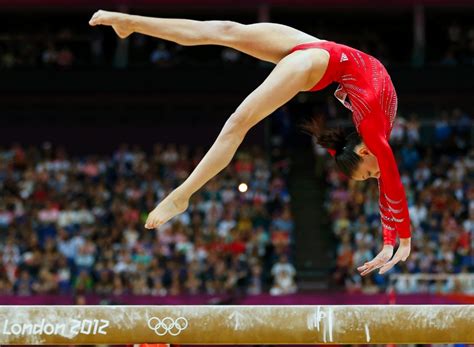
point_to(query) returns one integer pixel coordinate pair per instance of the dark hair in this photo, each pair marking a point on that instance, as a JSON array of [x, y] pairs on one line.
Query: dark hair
[[342, 142]]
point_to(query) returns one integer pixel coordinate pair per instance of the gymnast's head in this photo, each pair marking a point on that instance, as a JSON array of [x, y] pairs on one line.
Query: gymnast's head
[[352, 156]]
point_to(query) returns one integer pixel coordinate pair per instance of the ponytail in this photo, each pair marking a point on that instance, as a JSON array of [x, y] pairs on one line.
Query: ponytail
[[338, 143]]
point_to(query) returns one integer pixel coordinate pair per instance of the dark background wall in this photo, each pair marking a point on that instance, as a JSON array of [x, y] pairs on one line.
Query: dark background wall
[[93, 105]]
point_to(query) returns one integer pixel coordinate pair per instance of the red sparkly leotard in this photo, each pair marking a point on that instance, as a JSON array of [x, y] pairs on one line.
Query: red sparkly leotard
[[366, 89]]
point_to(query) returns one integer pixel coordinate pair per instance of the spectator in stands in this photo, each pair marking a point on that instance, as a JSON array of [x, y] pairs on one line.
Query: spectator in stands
[[160, 56], [74, 225], [283, 273], [65, 57], [49, 56]]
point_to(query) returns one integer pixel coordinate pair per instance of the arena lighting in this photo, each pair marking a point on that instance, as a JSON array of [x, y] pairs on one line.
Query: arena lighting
[[236, 324], [243, 187]]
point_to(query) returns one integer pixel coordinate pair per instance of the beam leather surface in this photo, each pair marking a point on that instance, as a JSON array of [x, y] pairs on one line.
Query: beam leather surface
[[236, 324]]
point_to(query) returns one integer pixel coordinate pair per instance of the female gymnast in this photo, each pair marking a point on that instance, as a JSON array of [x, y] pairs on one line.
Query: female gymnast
[[303, 63]]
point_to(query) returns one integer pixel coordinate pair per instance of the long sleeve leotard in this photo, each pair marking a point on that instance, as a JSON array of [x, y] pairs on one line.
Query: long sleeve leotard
[[366, 89]]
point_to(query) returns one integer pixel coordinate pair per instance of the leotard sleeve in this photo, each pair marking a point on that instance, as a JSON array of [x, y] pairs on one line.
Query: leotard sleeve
[[393, 205]]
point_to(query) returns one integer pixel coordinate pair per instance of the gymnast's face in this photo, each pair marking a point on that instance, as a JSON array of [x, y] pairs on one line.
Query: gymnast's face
[[368, 167]]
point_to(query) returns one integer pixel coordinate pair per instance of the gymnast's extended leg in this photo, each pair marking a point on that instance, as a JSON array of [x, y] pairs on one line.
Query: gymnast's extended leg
[[295, 72], [265, 41]]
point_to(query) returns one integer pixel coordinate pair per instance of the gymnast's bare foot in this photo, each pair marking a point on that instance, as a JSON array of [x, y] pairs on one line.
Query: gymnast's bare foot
[[118, 21], [171, 206]]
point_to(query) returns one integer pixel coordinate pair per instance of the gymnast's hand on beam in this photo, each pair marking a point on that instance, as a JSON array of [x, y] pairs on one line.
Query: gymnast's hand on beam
[[380, 260], [118, 21], [175, 203]]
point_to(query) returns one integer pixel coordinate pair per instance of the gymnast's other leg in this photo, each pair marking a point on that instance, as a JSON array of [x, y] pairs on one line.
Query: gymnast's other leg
[[265, 41]]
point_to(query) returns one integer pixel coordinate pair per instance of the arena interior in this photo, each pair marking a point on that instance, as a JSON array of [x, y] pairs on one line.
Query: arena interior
[[96, 130]]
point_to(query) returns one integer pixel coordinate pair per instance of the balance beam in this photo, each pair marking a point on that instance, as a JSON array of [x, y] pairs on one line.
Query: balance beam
[[236, 324]]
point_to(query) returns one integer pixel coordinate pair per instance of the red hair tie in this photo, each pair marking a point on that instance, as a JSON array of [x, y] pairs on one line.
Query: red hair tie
[[332, 152]]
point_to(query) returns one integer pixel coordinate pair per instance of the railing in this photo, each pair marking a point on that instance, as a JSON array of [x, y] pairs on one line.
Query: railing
[[309, 298], [434, 283]]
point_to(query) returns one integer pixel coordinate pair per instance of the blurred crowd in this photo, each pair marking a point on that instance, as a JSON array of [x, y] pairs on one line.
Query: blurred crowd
[[75, 45], [437, 172], [66, 48], [459, 46], [75, 224]]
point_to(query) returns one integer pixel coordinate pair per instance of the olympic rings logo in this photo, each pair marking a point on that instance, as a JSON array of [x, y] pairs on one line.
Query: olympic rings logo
[[167, 325]]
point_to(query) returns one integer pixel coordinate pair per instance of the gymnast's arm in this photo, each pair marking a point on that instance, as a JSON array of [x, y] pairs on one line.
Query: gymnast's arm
[[392, 200]]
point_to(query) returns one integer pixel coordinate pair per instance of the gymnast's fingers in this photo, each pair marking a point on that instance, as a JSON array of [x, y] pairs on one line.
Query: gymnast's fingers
[[370, 266], [389, 265], [380, 260], [364, 267], [398, 256]]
